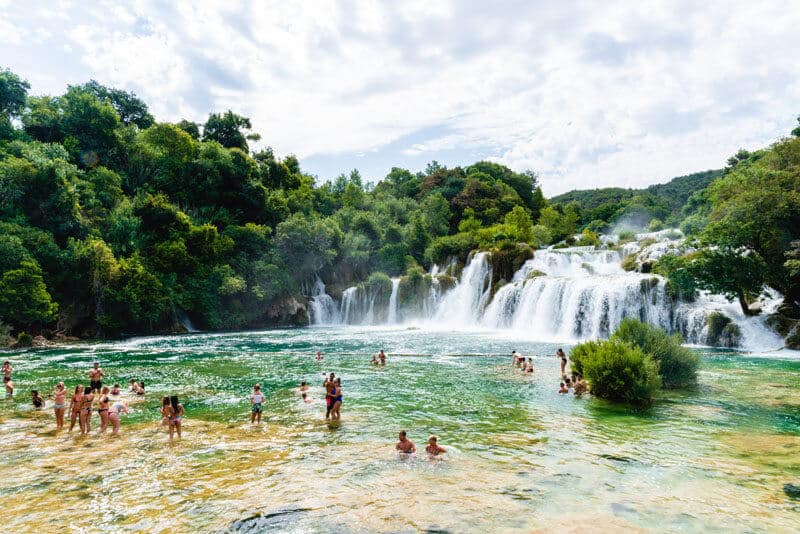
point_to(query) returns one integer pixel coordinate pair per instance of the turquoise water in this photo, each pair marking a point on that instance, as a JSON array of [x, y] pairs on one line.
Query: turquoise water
[[520, 457]]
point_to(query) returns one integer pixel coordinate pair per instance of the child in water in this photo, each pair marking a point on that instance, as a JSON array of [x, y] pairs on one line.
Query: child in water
[[563, 389], [256, 404], [37, 400]]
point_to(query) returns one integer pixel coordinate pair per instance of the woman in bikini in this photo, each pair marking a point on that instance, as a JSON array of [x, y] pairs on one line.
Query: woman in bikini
[[560, 354], [86, 410], [175, 420], [336, 397], [75, 408], [113, 415], [60, 404], [102, 409]]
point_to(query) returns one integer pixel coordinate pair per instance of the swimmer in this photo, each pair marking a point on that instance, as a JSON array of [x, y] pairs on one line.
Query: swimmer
[[580, 387], [87, 402], [560, 354], [256, 404], [116, 390], [116, 409], [60, 404], [382, 357], [306, 398], [75, 408], [139, 388], [303, 386], [433, 448], [404, 445], [96, 375], [563, 389], [133, 385], [102, 409], [177, 414], [568, 382], [529, 366], [36, 399], [319, 356], [374, 360]]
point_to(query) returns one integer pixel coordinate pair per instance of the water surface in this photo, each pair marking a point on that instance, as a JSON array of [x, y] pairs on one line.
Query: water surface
[[521, 456]]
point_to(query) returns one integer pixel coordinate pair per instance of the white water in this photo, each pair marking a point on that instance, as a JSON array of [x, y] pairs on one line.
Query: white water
[[321, 306], [392, 315], [565, 294]]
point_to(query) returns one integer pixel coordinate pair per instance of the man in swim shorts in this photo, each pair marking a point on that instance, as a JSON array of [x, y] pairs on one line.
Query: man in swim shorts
[[96, 375], [7, 370], [433, 448], [405, 445]]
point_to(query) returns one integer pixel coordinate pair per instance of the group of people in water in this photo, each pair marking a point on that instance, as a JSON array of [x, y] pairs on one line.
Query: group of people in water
[[573, 384], [110, 406]]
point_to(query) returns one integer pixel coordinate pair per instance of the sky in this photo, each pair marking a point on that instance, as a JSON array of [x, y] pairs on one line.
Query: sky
[[587, 94]]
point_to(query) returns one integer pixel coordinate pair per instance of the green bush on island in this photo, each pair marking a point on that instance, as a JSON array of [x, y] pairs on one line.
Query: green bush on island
[[722, 331], [629, 263], [677, 365], [620, 372]]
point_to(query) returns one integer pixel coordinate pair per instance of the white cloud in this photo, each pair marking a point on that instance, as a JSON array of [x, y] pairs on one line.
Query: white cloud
[[626, 94]]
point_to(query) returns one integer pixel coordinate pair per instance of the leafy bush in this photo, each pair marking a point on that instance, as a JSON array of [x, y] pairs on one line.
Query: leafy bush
[[677, 365], [618, 371], [579, 353], [24, 339], [629, 262]]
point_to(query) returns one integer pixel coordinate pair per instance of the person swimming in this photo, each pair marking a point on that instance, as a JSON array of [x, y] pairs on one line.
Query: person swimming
[[374, 360], [133, 385], [139, 388], [116, 390], [568, 383], [404, 445], [36, 399], [433, 448], [256, 404], [303, 386], [319, 356], [306, 398], [563, 389], [60, 404]]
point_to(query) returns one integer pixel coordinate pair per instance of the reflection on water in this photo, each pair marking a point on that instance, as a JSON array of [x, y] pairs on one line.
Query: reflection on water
[[520, 456]]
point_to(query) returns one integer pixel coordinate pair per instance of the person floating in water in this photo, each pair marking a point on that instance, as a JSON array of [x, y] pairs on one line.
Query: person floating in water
[[433, 448], [382, 357], [96, 375], [60, 404], [405, 445], [116, 390], [306, 398], [256, 404], [75, 408], [37, 400], [560, 354], [563, 389]]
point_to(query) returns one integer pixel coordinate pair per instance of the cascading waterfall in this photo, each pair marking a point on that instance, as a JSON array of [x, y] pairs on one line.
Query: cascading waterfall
[[566, 294], [322, 308], [392, 315]]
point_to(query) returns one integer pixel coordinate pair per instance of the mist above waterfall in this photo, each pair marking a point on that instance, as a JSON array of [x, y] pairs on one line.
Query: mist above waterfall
[[561, 294]]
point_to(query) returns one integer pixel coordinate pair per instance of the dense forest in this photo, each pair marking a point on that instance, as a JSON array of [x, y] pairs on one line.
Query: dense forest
[[112, 223]]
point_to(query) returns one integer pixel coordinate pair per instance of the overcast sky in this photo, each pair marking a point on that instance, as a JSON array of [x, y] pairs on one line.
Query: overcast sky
[[588, 94]]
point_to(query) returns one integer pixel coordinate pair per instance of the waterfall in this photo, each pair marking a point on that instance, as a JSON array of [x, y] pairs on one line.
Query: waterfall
[[392, 315], [566, 294], [463, 305], [322, 308]]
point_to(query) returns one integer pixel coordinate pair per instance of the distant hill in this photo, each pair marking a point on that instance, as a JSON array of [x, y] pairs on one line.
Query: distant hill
[[660, 200]]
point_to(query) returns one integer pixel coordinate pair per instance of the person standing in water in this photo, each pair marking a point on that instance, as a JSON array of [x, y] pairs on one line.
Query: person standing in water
[[433, 448], [319, 356], [114, 412], [75, 408], [404, 445], [96, 375], [256, 404], [560, 354], [102, 409], [336, 393], [60, 404], [9, 388], [177, 414], [382, 357], [329, 385], [7, 370], [87, 402]]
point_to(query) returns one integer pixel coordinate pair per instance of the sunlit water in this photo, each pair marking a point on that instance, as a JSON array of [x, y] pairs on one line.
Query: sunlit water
[[521, 456]]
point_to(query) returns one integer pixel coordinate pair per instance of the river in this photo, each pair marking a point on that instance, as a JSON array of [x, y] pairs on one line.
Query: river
[[520, 456]]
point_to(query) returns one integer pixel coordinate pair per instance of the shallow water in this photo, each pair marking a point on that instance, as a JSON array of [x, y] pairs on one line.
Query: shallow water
[[521, 457]]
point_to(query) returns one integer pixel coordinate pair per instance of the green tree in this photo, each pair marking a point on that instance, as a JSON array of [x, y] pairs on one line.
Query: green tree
[[229, 130], [520, 225], [24, 300], [130, 108], [13, 93]]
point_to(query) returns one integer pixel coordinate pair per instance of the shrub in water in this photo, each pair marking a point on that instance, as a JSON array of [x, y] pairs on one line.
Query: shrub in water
[[677, 365], [620, 372], [24, 339], [579, 353]]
